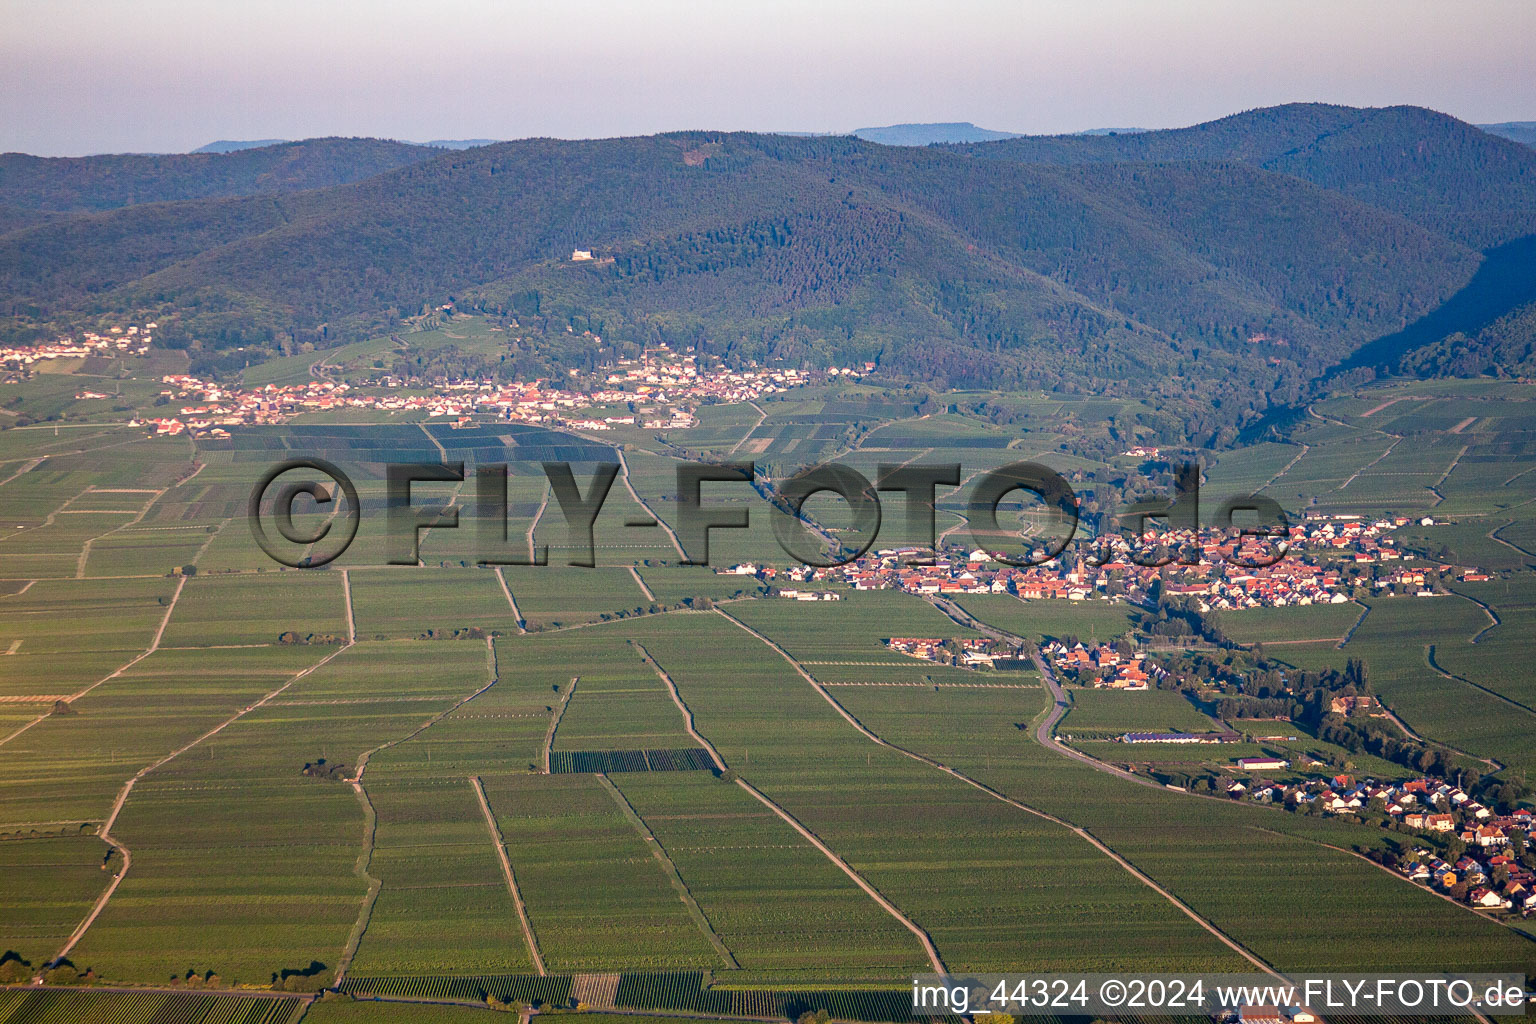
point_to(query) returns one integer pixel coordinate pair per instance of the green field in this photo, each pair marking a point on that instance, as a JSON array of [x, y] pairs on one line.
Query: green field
[[1280, 626], [1040, 620], [295, 759], [1113, 712]]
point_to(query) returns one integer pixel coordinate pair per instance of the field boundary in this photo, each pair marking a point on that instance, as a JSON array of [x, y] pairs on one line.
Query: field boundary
[[154, 645], [500, 842], [929, 948], [554, 720], [533, 525], [365, 913], [105, 832], [361, 870], [517, 616], [1082, 833], [85, 548], [641, 584], [669, 868], [666, 526]]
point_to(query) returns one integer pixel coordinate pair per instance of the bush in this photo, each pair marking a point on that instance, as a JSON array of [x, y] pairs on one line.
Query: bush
[[13, 969]]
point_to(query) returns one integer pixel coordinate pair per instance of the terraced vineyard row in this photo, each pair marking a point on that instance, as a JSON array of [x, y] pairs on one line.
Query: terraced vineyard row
[[681, 991], [685, 759], [533, 989], [55, 1006], [685, 991]]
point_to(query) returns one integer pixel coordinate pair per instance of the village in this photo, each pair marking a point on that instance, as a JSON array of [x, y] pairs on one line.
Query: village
[[1327, 560], [1485, 862], [661, 390], [133, 340]]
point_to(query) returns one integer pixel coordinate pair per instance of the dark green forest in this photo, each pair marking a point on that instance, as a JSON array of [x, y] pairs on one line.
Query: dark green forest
[[63, 184]]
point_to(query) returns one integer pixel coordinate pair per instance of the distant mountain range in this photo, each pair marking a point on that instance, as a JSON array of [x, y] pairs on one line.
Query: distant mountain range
[[942, 132], [1218, 267], [915, 134], [229, 146], [235, 145], [928, 134], [74, 184], [1523, 132]]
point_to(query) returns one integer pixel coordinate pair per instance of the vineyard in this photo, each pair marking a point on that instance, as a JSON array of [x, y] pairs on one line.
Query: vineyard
[[685, 991], [677, 991], [610, 762], [54, 1006], [532, 989]]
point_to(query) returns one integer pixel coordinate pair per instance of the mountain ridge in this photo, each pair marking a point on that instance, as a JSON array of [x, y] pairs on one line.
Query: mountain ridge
[[95, 183], [1220, 271]]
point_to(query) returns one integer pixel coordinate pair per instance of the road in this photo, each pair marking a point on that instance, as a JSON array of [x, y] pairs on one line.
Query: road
[[506, 870], [1045, 731], [761, 416], [1081, 833], [634, 494]]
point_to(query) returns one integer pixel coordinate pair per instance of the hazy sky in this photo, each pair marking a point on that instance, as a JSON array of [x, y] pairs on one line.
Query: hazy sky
[[90, 76]]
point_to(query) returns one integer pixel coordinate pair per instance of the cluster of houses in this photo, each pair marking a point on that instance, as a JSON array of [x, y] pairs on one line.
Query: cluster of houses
[[966, 652], [664, 387], [133, 340], [1102, 665], [1223, 577], [1431, 806], [1217, 584], [1267, 1015], [1479, 877], [664, 376]]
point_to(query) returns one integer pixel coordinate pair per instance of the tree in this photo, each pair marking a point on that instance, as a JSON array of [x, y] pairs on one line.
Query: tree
[[13, 969]]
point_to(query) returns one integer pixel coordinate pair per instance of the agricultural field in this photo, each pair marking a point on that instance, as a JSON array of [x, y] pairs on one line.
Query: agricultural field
[[437, 865], [405, 603], [215, 611], [598, 899], [19, 1007], [977, 733], [1402, 641], [374, 776], [47, 885], [800, 751], [849, 631], [1114, 712], [1494, 658], [1052, 620], [617, 702], [800, 917], [1307, 624], [553, 596]]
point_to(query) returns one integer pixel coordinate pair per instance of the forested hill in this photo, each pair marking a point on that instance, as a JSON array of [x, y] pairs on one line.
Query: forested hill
[[111, 181], [1211, 280], [1444, 174]]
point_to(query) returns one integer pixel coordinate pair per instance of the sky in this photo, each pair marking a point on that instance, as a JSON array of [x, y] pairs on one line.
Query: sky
[[94, 76]]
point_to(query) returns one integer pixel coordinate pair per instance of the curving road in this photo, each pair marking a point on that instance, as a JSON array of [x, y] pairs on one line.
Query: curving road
[[1045, 731]]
